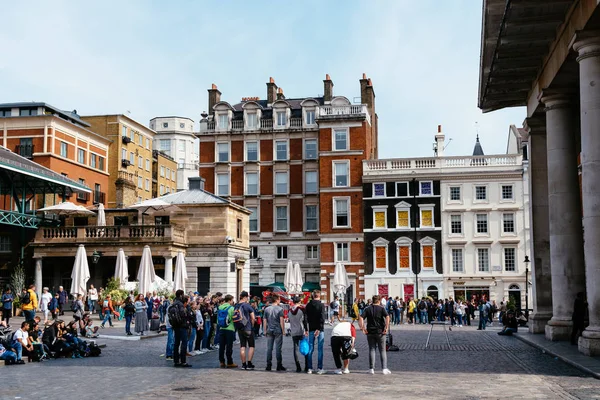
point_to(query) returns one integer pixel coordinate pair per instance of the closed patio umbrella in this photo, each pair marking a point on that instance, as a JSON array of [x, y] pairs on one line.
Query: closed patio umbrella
[[288, 279], [180, 273], [340, 281], [146, 275], [81, 272], [121, 269], [298, 278], [101, 221]]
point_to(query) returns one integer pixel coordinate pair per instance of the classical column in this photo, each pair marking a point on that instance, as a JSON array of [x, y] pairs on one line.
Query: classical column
[[588, 47], [169, 268], [38, 277], [540, 231], [566, 239]]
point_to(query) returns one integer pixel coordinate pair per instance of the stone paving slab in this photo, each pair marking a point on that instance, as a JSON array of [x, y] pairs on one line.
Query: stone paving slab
[[565, 351], [493, 367]]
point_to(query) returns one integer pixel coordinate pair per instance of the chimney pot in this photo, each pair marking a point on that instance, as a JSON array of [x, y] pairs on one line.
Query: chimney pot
[[327, 77], [271, 80], [439, 129], [214, 96], [271, 91], [364, 76], [327, 88], [214, 86], [369, 83]]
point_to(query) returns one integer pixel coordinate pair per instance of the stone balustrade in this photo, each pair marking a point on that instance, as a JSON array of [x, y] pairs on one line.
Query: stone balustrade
[[145, 234]]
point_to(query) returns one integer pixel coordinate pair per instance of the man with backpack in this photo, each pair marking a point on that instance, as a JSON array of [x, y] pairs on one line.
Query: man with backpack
[[29, 303], [243, 319], [316, 330], [422, 306], [226, 332], [179, 320], [483, 315]]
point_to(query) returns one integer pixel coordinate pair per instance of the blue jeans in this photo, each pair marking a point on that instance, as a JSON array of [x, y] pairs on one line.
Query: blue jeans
[[180, 347], [170, 342], [397, 316], [423, 316], [206, 339], [459, 318], [29, 315], [92, 305], [226, 339], [218, 336], [128, 319], [507, 332], [192, 340], [18, 347], [311, 349], [482, 321], [161, 314], [8, 356], [107, 317]]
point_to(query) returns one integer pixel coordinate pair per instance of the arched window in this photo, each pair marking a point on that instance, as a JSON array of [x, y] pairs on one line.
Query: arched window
[[514, 287], [432, 291]]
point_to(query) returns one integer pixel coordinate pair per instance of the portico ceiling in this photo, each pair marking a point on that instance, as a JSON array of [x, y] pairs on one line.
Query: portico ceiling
[[516, 38]]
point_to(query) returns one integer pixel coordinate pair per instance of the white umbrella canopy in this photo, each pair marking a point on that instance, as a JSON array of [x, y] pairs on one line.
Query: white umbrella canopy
[[288, 279], [66, 208], [298, 278], [146, 275], [180, 273], [121, 269], [154, 205], [81, 272], [101, 221], [340, 278]]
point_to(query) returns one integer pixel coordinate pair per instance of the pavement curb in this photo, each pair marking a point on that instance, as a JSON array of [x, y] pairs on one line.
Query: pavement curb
[[560, 357], [131, 338]]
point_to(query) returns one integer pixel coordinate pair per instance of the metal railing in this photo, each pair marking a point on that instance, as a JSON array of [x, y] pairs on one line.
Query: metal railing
[[25, 150]]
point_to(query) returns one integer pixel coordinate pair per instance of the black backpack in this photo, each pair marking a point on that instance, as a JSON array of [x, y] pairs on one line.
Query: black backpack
[[175, 316], [332, 304], [26, 298], [422, 305]]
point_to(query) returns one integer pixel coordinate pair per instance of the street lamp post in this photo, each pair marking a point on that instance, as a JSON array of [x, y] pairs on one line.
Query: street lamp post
[[526, 261]]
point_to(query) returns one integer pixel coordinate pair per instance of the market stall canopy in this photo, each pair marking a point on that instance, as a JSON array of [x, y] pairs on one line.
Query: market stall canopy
[[67, 208]]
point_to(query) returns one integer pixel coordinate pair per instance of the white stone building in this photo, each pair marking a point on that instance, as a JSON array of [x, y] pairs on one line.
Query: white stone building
[[485, 224], [175, 137]]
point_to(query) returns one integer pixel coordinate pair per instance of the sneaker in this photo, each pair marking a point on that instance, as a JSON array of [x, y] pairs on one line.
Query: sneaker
[[386, 371], [250, 366], [337, 372], [197, 352], [232, 365], [169, 358], [320, 371], [309, 371], [268, 368], [244, 366], [202, 351], [346, 371], [185, 365], [281, 368], [372, 371]]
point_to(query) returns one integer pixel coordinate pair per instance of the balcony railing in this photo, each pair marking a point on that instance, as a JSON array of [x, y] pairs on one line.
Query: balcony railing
[[192, 166], [108, 234], [477, 162], [211, 125], [126, 176], [352, 110], [296, 122], [25, 150], [237, 124], [266, 123]]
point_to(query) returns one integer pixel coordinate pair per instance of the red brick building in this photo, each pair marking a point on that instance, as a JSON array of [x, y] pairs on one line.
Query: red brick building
[[60, 141], [296, 163]]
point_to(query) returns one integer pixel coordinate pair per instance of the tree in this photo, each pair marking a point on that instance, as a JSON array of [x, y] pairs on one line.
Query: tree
[[17, 279]]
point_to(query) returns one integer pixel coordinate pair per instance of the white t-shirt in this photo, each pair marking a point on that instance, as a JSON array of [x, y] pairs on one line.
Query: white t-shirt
[[44, 300], [342, 329], [93, 294], [23, 335]]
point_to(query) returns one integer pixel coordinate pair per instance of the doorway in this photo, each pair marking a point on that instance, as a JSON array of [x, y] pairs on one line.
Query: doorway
[[432, 291], [514, 295], [203, 285]]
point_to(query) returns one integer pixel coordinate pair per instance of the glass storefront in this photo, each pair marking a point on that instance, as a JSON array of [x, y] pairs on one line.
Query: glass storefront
[[474, 293]]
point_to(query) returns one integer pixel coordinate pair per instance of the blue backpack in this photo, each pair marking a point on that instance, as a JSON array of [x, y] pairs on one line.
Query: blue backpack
[[223, 319]]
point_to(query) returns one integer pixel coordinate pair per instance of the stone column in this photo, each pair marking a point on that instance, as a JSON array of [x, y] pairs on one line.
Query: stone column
[[169, 268], [541, 276], [38, 277], [588, 47], [566, 239]]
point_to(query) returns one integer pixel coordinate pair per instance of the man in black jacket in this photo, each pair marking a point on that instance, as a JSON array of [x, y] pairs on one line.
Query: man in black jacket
[[316, 327], [180, 321]]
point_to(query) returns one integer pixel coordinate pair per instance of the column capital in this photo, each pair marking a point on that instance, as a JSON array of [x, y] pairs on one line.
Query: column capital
[[535, 125], [587, 44], [557, 98]]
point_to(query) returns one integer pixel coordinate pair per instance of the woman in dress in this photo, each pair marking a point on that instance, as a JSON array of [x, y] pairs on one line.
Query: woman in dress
[[141, 318], [45, 299]]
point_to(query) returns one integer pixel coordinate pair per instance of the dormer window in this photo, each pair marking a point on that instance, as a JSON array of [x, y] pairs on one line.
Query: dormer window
[[251, 120], [223, 121], [281, 118], [310, 117]]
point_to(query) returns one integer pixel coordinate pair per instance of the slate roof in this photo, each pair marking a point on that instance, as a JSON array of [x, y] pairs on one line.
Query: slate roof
[[478, 150], [68, 115]]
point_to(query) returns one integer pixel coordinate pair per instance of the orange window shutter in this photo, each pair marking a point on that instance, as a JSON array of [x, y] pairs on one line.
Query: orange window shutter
[[380, 257]]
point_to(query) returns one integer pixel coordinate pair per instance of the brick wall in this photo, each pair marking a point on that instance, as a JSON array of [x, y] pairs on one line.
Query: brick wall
[[266, 180], [296, 179], [207, 152], [266, 216], [296, 215], [295, 149], [237, 151], [266, 150], [208, 173], [237, 181]]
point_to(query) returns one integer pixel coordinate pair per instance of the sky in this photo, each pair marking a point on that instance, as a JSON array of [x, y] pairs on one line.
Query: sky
[[158, 58]]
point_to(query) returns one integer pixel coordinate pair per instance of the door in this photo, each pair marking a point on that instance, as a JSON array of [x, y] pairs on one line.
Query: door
[[203, 286], [349, 298], [514, 296]]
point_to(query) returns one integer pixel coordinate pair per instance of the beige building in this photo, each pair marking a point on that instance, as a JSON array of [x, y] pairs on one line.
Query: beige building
[[130, 161], [164, 174], [212, 233]]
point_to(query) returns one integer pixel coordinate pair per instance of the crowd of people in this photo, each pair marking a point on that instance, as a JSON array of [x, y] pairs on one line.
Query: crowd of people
[[197, 324]]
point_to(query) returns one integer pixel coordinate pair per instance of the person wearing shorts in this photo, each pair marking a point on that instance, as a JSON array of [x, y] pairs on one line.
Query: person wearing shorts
[[246, 333]]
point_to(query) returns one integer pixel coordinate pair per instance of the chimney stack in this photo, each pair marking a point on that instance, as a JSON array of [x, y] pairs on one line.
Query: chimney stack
[[367, 94], [214, 96], [280, 95], [439, 142], [327, 89], [271, 91]]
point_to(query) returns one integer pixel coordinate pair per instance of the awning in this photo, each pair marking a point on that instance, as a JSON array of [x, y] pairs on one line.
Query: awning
[[310, 286], [277, 284]]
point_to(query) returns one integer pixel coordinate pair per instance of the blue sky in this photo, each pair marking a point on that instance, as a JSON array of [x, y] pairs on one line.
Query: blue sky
[[156, 58]]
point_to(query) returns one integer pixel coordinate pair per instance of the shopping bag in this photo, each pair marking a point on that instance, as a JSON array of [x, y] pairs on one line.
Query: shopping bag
[[304, 346]]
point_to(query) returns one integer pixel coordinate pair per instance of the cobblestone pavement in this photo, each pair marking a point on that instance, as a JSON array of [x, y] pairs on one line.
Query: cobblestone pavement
[[476, 365]]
